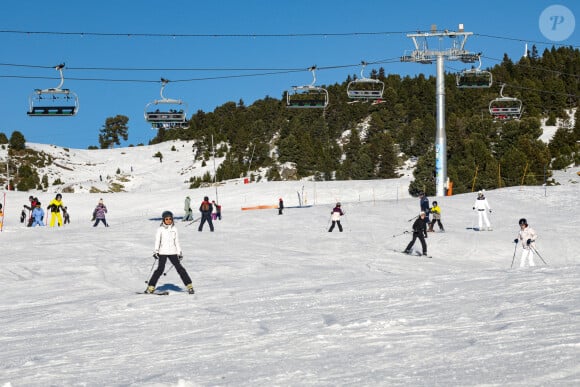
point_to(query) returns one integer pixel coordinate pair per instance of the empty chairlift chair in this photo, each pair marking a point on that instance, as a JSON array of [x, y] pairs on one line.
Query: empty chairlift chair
[[308, 96], [54, 102], [365, 89]]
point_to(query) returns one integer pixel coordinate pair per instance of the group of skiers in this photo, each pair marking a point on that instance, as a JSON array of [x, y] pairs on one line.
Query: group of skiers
[[526, 235], [206, 208], [36, 213]]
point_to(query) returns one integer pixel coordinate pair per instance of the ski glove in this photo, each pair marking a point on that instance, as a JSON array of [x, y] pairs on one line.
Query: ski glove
[[180, 256], [516, 241], [529, 242], [490, 211], [156, 255], [474, 208]]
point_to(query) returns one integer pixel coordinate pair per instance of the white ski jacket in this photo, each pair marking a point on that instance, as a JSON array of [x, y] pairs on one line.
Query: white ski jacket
[[167, 241], [525, 234], [481, 204]]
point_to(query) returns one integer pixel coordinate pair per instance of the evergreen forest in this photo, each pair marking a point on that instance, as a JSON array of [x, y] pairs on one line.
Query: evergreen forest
[[370, 141]]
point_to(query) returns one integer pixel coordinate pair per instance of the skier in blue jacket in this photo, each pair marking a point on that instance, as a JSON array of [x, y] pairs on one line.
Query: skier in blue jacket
[[37, 216]]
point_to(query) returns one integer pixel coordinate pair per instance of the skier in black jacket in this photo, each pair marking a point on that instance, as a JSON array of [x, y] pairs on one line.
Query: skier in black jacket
[[419, 231]]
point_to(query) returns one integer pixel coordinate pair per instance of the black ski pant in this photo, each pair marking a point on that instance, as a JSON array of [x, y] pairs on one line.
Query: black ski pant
[[337, 222], [100, 220], [161, 267], [205, 218], [421, 238], [438, 221]]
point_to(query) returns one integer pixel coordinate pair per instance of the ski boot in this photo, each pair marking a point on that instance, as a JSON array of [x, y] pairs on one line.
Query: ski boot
[[149, 290], [190, 289]]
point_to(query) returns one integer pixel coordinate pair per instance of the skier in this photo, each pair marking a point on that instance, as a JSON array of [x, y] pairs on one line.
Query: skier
[[218, 211], [436, 211], [99, 213], [55, 206], [187, 208], [167, 247], [206, 209], [65, 215], [481, 205], [336, 213], [280, 206], [32, 206], [424, 203], [527, 236], [37, 216], [419, 231]]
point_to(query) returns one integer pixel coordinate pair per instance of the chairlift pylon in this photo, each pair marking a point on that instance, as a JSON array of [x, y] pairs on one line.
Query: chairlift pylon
[[474, 78], [365, 89], [505, 108], [166, 113], [53, 102], [308, 96]]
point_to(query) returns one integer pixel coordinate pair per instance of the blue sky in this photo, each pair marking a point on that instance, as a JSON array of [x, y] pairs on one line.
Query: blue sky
[[105, 65]]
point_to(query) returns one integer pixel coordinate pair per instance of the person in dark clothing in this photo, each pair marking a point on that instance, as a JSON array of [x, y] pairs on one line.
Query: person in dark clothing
[[218, 210], [206, 208], [32, 206], [419, 231], [335, 217], [424, 202], [280, 206], [65, 215]]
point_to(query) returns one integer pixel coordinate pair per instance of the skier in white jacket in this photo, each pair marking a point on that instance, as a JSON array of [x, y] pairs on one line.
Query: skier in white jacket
[[481, 205], [167, 247], [527, 236]]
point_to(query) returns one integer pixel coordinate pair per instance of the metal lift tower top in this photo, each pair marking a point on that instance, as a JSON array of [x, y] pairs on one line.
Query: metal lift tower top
[[423, 54]]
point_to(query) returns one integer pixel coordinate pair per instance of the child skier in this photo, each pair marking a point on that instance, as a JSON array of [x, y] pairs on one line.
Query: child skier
[[167, 247], [436, 211], [37, 216], [99, 213], [335, 215], [527, 236]]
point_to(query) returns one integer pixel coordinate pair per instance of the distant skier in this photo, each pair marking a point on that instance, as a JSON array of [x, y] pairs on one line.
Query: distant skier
[[206, 209], [335, 215], [55, 206], [218, 211], [481, 205], [37, 216], [99, 213], [65, 215], [424, 203], [30, 208], [280, 206], [436, 211], [527, 236], [167, 247], [187, 208], [419, 231]]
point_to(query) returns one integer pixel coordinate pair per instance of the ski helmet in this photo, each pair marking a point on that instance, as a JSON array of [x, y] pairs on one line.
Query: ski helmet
[[338, 204], [434, 203], [523, 221], [166, 214]]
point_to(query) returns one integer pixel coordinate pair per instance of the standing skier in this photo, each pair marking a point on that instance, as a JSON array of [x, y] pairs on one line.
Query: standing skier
[[424, 203], [436, 211], [419, 231], [187, 208], [55, 206], [218, 210], [527, 236], [99, 213], [37, 216], [167, 247], [335, 217], [481, 205], [206, 209], [280, 206]]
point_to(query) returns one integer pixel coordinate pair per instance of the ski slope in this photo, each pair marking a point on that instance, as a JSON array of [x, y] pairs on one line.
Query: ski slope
[[279, 300]]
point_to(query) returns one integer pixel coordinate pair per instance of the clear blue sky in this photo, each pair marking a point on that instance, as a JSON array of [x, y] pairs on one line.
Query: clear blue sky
[[356, 30]]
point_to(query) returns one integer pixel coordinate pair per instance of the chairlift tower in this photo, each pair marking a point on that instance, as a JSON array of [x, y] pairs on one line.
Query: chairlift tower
[[425, 55]]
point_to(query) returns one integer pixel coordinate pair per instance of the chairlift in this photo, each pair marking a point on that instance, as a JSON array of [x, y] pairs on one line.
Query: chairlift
[[309, 96], [365, 89], [54, 102], [505, 108], [474, 78], [166, 112]]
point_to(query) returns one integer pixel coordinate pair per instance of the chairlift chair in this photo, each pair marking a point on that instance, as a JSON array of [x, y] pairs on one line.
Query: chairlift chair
[[54, 102], [308, 96], [365, 89], [166, 112], [474, 78], [505, 108]]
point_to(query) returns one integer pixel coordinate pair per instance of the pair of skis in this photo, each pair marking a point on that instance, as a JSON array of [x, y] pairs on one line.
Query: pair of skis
[[413, 253]]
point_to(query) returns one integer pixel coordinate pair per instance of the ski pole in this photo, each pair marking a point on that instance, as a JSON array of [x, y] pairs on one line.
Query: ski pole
[[168, 270], [151, 271], [413, 218], [403, 233], [536, 251], [514, 257]]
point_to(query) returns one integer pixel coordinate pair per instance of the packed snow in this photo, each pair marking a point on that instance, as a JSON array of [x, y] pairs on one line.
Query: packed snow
[[280, 301]]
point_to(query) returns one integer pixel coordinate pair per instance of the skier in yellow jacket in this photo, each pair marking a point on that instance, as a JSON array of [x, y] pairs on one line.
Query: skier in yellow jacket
[[54, 207]]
